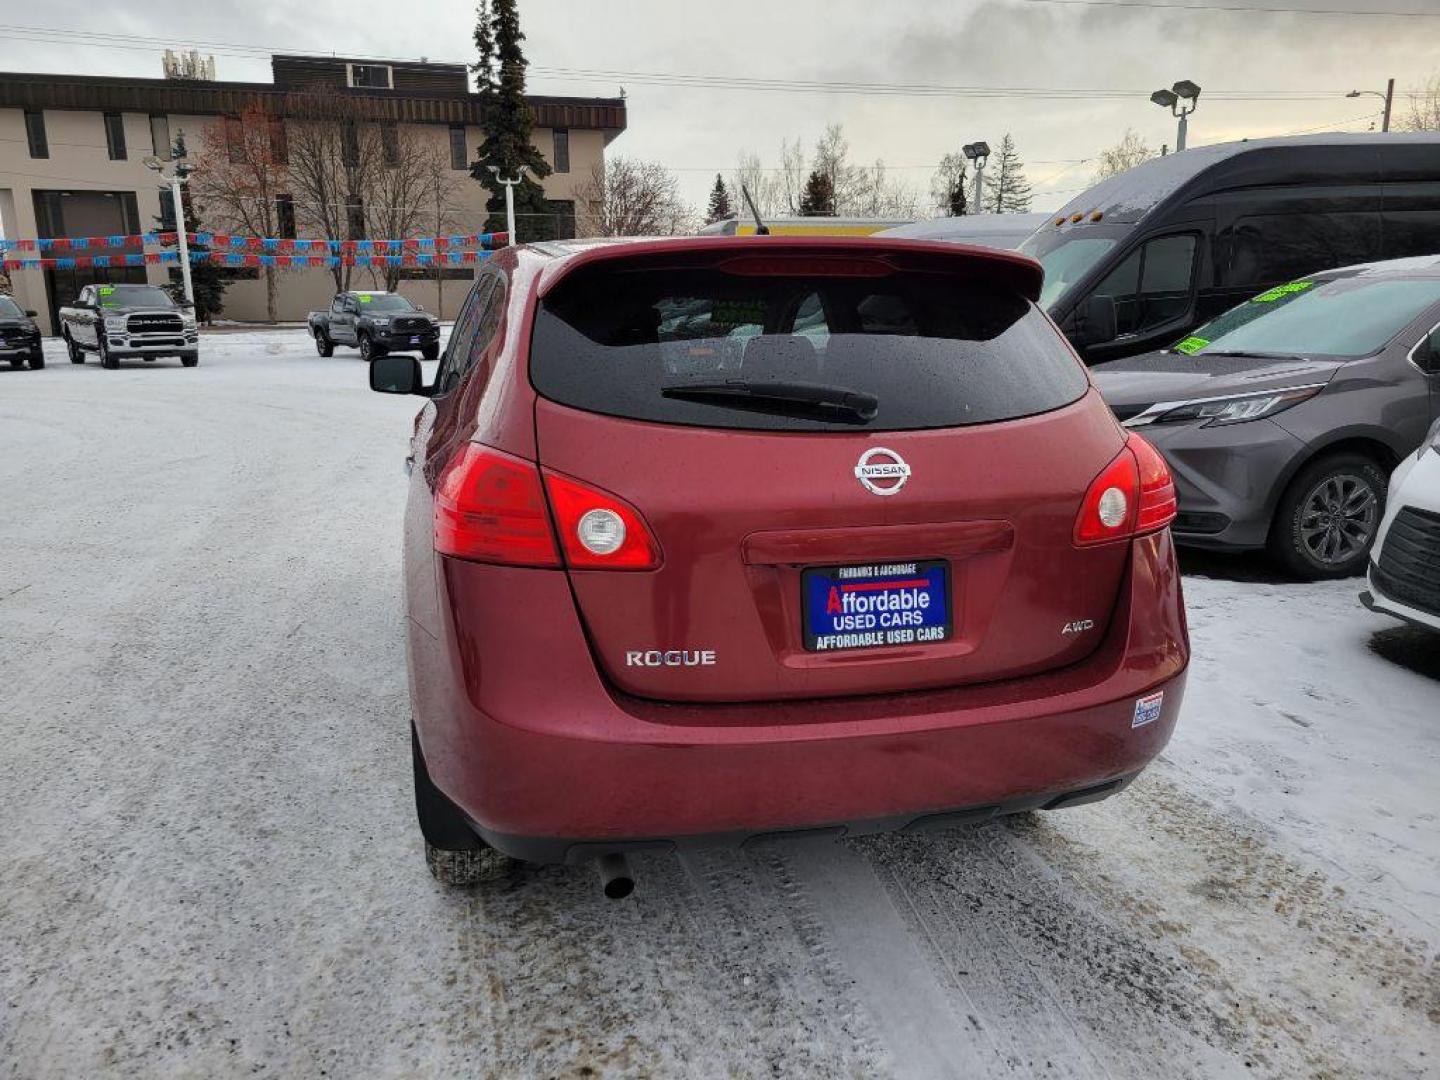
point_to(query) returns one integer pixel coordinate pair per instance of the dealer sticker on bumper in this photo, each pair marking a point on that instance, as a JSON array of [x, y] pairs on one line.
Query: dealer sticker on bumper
[[1147, 708]]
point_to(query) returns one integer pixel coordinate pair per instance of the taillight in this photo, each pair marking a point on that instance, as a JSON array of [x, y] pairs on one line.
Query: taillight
[[490, 507], [1157, 487], [1133, 495], [598, 530]]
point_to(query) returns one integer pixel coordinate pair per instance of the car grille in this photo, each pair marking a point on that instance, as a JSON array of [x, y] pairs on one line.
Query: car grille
[[412, 325], [1409, 567], [155, 324]]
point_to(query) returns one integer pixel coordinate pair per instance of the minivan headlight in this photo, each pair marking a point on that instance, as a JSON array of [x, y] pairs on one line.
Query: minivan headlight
[[1215, 412]]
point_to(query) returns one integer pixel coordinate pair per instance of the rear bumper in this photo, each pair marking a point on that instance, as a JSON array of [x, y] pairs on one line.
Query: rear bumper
[[550, 764], [1227, 479]]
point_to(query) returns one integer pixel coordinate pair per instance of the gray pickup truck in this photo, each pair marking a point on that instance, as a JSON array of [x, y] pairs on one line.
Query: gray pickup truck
[[376, 323], [115, 321]]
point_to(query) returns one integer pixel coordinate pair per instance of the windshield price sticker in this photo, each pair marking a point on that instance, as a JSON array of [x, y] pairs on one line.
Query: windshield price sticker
[[1282, 291], [364, 299], [1191, 345]]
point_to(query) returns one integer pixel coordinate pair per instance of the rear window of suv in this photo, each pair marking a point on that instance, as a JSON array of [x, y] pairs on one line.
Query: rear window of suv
[[714, 349]]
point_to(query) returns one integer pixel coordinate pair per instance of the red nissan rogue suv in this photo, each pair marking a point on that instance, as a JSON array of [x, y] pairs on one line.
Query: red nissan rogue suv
[[715, 538]]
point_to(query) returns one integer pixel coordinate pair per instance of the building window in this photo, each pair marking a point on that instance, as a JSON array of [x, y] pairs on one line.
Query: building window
[[459, 153], [115, 135], [285, 216], [160, 137], [355, 217], [350, 145], [279, 142], [562, 150], [370, 76], [235, 139], [390, 141], [563, 217], [167, 210], [35, 133]]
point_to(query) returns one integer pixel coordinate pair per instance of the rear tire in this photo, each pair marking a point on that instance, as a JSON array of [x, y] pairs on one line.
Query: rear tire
[[1327, 519], [37, 360], [323, 345], [454, 854], [76, 354]]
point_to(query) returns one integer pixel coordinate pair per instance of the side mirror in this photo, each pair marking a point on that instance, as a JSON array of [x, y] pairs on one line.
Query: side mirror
[[1097, 323], [396, 375], [30, 314]]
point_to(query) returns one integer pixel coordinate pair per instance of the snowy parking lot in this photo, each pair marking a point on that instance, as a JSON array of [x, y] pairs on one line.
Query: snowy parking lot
[[209, 864]]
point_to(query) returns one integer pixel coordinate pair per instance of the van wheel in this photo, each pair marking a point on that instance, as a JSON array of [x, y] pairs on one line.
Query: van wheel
[[455, 855], [323, 345], [77, 354], [1327, 518]]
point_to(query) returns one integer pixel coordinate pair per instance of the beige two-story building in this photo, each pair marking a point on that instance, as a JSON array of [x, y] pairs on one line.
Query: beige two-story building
[[72, 150]]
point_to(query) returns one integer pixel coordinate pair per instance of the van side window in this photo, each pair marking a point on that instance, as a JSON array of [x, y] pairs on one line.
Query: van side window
[[474, 331], [1269, 248], [1152, 286]]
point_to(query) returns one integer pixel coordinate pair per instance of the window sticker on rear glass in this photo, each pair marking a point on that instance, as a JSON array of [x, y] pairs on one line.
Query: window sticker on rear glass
[[1281, 291], [1191, 345], [364, 299], [738, 312]]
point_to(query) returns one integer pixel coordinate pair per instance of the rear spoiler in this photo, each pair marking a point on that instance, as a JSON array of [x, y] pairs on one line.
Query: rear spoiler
[[857, 256]]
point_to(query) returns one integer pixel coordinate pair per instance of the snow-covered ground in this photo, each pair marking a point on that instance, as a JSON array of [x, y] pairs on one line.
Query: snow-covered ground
[[208, 865]]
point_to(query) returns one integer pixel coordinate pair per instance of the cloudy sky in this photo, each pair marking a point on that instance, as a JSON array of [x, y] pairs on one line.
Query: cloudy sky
[[1066, 77]]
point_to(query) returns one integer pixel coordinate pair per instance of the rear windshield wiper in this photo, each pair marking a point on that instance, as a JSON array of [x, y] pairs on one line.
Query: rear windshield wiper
[[780, 396]]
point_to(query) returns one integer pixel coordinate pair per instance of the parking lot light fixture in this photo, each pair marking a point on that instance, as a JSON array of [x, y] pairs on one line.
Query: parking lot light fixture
[[1181, 99]]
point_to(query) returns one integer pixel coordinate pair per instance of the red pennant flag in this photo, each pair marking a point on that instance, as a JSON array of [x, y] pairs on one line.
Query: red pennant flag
[[152, 257], [442, 244], [252, 260], [83, 260], [60, 244], [25, 245]]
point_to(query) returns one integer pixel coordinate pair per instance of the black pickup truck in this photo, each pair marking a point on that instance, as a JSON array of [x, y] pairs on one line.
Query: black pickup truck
[[19, 336], [375, 323]]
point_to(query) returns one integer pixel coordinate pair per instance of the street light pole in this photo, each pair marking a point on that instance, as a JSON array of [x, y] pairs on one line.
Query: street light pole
[[179, 201], [1388, 96], [523, 172], [177, 179], [977, 152]]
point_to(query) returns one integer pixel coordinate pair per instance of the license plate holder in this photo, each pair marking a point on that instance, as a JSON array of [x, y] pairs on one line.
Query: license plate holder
[[879, 605], [415, 339]]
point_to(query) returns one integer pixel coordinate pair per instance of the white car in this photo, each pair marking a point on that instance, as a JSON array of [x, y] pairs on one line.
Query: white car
[[1404, 573]]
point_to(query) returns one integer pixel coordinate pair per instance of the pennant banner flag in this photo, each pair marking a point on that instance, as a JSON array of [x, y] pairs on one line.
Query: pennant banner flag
[[68, 261], [267, 245]]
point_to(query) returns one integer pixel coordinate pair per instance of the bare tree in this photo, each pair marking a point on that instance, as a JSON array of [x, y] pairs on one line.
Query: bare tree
[[832, 160], [1126, 154], [402, 197], [793, 174], [442, 200], [625, 197], [947, 186], [242, 169], [878, 195], [764, 186], [335, 165], [1424, 112]]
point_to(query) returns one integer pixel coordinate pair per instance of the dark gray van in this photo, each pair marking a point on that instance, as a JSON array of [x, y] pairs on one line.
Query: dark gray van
[[1137, 261]]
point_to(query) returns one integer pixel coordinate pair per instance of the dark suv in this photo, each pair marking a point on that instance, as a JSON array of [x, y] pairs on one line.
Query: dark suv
[[710, 538], [19, 336], [1282, 418]]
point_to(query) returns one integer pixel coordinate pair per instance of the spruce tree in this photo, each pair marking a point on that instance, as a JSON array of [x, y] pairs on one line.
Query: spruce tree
[[719, 208], [500, 83], [818, 198], [1005, 177]]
